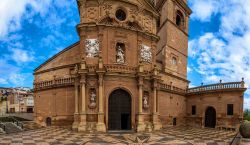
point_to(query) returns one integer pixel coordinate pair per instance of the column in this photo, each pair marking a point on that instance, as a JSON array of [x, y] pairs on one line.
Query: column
[[156, 122], [101, 127], [76, 114], [140, 124], [140, 98], [83, 121]]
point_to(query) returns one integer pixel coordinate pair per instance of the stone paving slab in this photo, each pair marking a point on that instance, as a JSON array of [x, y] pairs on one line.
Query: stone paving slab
[[168, 136]]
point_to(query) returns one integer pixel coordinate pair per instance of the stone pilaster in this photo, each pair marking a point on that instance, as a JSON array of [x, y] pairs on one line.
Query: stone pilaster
[[140, 124], [101, 127], [76, 114], [83, 123], [83, 115], [155, 116]]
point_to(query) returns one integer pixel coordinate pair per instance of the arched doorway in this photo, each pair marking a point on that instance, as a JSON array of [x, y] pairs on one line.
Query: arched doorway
[[119, 110], [48, 121], [210, 117]]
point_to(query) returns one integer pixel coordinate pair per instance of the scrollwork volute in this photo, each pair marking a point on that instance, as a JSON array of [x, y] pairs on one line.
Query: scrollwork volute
[[92, 47]]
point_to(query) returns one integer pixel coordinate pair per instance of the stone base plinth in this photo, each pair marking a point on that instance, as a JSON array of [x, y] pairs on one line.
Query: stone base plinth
[[76, 122], [245, 141], [100, 127], [83, 123], [156, 122]]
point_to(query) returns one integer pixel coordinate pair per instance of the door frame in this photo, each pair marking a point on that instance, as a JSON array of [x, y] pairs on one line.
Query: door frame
[[210, 107], [131, 103]]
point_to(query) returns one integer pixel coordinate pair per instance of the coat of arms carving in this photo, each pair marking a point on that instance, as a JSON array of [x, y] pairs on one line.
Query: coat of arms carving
[[146, 54], [92, 47]]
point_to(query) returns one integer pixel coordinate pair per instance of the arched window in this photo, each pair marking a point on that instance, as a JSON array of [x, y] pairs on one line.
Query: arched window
[[179, 20], [174, 60]]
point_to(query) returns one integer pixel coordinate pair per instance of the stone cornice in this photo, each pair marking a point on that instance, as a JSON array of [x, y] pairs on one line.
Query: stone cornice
[[87, 25]]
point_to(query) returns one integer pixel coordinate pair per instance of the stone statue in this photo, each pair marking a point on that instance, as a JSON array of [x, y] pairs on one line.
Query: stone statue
[[145, 102], [120, 55], [92, 104], [76, 69], [92, 47], [146, 54]]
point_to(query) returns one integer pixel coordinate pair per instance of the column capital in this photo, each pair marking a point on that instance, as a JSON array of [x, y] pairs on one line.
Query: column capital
[[83, 79]]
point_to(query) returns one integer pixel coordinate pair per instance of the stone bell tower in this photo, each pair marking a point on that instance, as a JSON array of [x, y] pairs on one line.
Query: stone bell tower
[[118, 47]]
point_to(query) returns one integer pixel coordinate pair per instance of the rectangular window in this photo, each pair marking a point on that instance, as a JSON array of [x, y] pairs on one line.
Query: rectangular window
[[230, 109], [193, 110]]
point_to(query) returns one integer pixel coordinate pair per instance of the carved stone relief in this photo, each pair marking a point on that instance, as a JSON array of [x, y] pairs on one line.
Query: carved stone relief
[[92, 99], [146, 54], [92, 13], [92, 47]]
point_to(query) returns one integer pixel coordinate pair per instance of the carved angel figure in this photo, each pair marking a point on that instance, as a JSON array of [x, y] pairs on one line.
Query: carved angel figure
[[92, 104], [92, 47], [120, 57], [146, 54]]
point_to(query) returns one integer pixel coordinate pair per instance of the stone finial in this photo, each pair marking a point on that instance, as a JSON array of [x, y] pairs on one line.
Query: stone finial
[[220, 81], [141, 67], [243, 79], [83, 63], [155, 70], [100, 64], [202, 84], [242, 83]]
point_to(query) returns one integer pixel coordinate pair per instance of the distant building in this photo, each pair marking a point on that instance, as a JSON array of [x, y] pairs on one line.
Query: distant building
[[16, 100]]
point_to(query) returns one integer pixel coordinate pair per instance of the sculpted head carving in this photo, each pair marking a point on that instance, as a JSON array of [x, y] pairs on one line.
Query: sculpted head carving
[[92, 48]]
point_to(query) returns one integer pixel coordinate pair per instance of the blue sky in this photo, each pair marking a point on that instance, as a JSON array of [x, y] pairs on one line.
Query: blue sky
[[35, 30]]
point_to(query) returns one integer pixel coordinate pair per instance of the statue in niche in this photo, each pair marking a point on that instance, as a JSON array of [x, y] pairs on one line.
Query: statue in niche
[[120, 56], [92, 47], [76, 69], [145, 101], [92, 96], [146, 54]]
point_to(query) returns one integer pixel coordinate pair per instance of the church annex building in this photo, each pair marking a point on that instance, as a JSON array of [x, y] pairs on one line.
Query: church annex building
[[129, 72]]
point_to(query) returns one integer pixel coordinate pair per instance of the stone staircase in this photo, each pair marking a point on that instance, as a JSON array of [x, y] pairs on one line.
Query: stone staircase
[[11, 128]]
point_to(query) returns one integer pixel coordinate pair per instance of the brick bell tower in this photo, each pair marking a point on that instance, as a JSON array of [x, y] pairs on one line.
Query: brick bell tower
[[118, 49], [172, 49]]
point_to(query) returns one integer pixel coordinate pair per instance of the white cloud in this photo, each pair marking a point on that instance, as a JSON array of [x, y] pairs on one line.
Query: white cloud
[[246, 103], [225, 54], [204, 9], [3, 81], [12, 11], [21, 56]]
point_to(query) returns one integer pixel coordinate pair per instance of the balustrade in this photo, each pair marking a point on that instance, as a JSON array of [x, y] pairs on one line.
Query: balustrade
[[219, 86], [53, 83]]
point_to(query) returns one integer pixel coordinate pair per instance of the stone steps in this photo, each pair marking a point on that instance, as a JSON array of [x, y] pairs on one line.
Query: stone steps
[[11, 128]]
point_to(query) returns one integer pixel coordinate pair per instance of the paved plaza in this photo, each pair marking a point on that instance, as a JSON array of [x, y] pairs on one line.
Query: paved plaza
[[169, 136]]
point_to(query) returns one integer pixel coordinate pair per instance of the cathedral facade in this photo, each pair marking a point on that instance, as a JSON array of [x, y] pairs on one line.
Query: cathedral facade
[[129, 72]]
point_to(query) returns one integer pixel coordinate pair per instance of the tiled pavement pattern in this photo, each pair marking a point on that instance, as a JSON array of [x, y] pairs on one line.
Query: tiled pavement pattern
[[31, 125], [170, 136]]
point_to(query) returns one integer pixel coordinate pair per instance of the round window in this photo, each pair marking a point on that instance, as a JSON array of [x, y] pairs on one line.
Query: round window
[[120, 15]]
